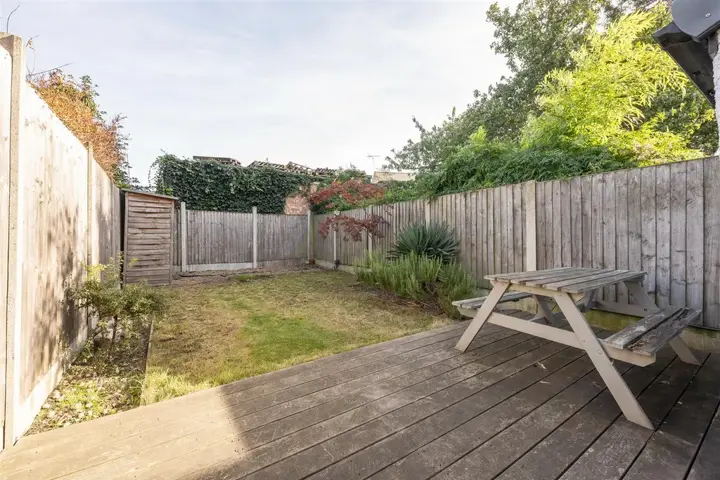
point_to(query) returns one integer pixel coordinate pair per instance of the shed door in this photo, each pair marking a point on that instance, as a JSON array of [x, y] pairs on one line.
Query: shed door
[[148, 238]]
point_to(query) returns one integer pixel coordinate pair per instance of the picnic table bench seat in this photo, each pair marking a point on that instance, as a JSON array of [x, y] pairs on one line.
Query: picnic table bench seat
[[653, 332], [475, 303]]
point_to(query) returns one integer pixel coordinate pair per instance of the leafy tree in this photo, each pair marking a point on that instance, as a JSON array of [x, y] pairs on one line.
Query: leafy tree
[[604, 99], [343, 195], [537, 38]]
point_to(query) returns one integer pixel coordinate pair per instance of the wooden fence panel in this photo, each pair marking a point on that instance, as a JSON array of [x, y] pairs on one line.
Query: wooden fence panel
[[282, 237], [215, 238], [662, 219], [105, 217], [352, 251], [322, 246]]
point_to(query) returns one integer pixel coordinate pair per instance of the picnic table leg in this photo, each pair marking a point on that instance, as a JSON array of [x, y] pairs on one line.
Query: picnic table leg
[[614, 381], [544, 309], [681, 349], [482, 315]]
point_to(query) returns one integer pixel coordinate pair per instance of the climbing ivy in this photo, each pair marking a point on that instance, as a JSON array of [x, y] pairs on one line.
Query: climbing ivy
[[211, 185]]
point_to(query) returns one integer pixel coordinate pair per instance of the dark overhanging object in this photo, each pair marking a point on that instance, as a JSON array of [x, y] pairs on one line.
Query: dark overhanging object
[[689, 40], [693, 57], [697, 18]]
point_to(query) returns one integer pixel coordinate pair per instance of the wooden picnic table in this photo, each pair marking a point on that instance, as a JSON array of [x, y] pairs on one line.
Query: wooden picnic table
[[573, 290]]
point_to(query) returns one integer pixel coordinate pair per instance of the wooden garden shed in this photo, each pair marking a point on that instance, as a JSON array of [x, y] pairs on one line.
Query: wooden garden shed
[[148, 241]]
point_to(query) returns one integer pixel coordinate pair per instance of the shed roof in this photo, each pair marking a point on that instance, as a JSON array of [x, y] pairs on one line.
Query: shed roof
[[140, 192]]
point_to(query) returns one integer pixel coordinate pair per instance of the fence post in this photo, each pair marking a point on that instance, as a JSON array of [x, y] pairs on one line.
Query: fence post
[[89, 233], [335, 232], [309, 237], [530, 227], [254, 237], [369, 235], [11, 314], [90, 230], [183, 237], [427, 212]]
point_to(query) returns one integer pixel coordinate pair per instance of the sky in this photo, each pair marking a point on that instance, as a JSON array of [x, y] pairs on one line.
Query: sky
[[324, 84]]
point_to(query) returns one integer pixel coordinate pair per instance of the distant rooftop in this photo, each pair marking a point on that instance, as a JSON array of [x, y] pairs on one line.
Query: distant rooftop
[[225, 160], [391, 176], [295, 168]]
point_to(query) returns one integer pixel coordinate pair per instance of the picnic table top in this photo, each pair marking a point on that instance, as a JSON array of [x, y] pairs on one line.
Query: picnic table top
[[568, 280]]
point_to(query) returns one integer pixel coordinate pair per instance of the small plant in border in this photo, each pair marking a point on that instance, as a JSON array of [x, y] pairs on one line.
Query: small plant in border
[[419, 278], [124, 308]]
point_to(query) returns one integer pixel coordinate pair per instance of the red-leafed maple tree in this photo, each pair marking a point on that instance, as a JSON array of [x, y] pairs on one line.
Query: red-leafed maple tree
[[347, 195]]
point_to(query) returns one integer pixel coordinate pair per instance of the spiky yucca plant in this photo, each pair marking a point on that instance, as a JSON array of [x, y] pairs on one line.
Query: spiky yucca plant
[[436, 240]]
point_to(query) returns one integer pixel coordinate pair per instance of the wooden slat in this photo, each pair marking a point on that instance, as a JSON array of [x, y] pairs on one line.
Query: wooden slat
[[711, 275], [634, 221], [498, 229], [566, 237], [586, 183], [517, 229], [540, 226], [525, 275], [601, 282], [575, 276], [477, 302], [595, 274], [694, 241], [557, 238], [632, 333], [549, 222], [133, 203], [661, 336], [662, 199], [491, 233], [609, 234], [622, 241], [576, 223], [649, 231], [678, 222], [151, 210], [597, 260], [475, 238]]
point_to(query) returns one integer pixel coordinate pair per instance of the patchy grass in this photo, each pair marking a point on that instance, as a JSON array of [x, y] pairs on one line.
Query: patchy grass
[[216, 333], [95, 385]]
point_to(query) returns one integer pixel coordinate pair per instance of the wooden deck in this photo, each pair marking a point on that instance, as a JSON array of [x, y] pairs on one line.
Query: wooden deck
[[511, 407]]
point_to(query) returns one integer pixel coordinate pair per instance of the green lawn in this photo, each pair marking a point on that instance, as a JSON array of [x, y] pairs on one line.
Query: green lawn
[[237, 327]]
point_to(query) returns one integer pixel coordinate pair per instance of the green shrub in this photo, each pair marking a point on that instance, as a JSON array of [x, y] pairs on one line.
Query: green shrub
[[420, 278], [436, 241], [125, 307]]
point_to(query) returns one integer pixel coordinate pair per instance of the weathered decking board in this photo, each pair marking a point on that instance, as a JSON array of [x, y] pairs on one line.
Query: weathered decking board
[[412, 408]]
